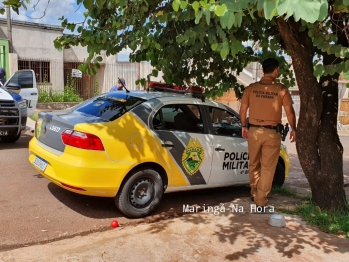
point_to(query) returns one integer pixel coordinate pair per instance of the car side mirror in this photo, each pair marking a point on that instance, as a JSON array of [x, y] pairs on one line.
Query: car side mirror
[[13, 87]]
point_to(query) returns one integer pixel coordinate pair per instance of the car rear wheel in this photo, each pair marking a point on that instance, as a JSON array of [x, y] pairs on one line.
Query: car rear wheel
[[279, 176], [10, 139], [140, 193]]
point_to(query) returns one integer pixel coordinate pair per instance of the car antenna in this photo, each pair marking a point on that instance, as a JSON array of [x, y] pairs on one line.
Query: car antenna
[[127, 91]]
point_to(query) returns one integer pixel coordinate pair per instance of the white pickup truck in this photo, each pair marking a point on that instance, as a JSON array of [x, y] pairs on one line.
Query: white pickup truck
[[18, 99]]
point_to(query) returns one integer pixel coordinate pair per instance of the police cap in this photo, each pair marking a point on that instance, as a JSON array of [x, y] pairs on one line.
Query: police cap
[[122, 81]]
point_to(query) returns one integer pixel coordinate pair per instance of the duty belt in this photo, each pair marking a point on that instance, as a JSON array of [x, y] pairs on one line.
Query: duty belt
[[268, 127]]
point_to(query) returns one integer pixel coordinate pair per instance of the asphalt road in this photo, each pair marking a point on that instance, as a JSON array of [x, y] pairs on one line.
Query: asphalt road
[[34, 210]]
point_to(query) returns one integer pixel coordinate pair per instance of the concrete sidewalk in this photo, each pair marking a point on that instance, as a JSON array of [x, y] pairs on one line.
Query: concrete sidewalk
[[201, 236]]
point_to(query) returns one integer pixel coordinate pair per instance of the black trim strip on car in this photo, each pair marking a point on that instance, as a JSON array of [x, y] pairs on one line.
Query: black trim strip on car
[[177, 151]]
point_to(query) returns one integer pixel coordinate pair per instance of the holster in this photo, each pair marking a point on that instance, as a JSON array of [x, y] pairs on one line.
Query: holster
[[282, 130]]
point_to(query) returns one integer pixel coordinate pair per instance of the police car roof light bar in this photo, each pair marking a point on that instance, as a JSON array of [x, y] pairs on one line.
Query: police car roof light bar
[[195, 91], [175, 89]]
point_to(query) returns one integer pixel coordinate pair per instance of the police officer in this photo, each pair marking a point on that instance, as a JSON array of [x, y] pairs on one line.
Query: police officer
[[265, 99], [119, 86], [2, 76]]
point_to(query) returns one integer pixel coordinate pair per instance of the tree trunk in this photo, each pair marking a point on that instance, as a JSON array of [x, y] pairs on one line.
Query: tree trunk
[[319, 149]]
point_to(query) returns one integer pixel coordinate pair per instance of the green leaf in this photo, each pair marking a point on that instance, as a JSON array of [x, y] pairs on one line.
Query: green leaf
[[155, 72], [97, 65], [238, 19], [330, 69], [157, 46], [323, 12], [88, 4], [214, 46], [224, 53], [204, 4], [319, 70], [270, 8], [260, 5], [318, 40], [219, 10], [196, 6], [236, 47], [227, 20], [347, 65], [207, 14], [198, 17], [184, 4], [337, 49], [283, 7], [175, 5], [100, 3], [346, 2], [339, 67], [99, 59], [71, 27]]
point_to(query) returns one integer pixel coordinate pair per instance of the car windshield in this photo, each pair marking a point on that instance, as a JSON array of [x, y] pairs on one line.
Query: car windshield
[[109, 106]]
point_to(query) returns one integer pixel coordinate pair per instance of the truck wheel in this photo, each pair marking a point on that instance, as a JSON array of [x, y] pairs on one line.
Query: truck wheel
[[140, 193], [10, 139], [279, 176]]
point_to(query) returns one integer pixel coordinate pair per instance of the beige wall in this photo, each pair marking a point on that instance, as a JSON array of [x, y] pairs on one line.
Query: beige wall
[[79, 54], [33, 41], [13, 63]]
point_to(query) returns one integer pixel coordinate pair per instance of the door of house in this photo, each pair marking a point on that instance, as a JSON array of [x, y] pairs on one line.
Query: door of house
[[4, 50]]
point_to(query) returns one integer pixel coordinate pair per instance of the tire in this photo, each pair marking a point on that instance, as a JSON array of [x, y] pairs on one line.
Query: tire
[[279, 176], [140, 194], [10, 139]]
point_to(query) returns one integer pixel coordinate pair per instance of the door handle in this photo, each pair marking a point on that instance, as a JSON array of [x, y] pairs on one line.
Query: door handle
[[219, 149], [167, 145], [33, 94]]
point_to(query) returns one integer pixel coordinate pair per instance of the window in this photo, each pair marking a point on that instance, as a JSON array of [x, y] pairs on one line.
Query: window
[[41, 69], [24, 79], [224, 122], [109, 106], [179, 117]]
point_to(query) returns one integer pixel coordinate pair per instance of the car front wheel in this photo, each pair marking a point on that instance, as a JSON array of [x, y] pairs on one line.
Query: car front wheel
[[140, 193]]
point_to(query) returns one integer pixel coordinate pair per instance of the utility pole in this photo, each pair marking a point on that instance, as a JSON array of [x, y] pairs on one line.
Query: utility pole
[[9, 28]]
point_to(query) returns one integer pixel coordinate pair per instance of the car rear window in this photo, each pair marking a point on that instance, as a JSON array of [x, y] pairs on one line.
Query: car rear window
[[109, 106]]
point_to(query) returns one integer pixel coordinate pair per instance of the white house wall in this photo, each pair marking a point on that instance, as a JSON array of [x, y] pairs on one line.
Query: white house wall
[[32, 41]]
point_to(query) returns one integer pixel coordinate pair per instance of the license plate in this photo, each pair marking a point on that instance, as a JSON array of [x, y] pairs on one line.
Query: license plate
[[3, 133], [40, 163]]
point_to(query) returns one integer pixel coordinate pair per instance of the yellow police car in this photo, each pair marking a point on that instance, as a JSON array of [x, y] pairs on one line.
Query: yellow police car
[[134, 146]]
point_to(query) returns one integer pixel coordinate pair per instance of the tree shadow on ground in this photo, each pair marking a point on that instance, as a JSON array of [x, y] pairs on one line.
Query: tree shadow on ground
[[245, 235]]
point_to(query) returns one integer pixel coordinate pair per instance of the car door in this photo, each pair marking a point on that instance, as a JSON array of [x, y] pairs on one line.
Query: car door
[[185, 143], [230, 151], [27, 81]]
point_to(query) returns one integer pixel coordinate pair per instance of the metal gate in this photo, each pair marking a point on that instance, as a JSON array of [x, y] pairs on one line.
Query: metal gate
[[85, 86]]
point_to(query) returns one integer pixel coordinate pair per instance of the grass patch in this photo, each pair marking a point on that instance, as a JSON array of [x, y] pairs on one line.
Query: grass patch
[[68, 95], [334, 223], [284, 191], [34, 117]]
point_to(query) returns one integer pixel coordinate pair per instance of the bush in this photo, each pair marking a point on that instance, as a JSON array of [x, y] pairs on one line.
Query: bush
[[70, 94]]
